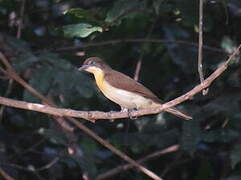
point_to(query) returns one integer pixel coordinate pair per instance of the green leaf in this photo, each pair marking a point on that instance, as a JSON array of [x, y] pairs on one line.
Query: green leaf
[[220, 135], [228, 44], [86, 15], [81, 30], [57, 77], [87, 157], [53, 60], [41, 81], [25, 58], [122, 8], [78, 12]]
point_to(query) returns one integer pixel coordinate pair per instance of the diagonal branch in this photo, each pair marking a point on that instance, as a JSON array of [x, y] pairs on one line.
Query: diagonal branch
[[5, 175], [10, 72], [31, 106], [126, 167], [95, 115]]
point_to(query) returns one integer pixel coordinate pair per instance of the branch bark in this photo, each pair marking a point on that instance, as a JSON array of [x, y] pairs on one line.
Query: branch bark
[[126, 167], [200, 46], [5, 175], [95, 115], [12, 74]]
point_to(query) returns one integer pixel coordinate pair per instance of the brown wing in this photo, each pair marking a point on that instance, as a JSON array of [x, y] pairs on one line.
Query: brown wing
[[124, 82]]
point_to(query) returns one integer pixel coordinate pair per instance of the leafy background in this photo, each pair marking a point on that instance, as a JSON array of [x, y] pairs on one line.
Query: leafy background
[[56, 37]]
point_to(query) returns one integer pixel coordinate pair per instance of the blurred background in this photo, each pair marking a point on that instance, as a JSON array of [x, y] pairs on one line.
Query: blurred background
[[47, 40]]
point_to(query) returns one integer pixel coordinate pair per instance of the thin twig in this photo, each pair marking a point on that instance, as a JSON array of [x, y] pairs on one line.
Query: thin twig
[[138, 68], [137, 40], [8, 91], [139, 63], [32, 168], [126, 167], [5, 175], [115, 150], [175, 164], [49, 165], [128, 11], [200, 46], [29, 149], [20, 23]]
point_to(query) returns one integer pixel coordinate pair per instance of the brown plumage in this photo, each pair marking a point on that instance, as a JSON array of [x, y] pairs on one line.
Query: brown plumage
[[129, 84], [122, 89]]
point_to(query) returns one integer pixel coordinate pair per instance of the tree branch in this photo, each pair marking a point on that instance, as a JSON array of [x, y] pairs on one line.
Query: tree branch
[[12, 74], [126, 167], [139, 63], [21, 19], [200, 45], [5, 175], [95, 115], [137, 40]]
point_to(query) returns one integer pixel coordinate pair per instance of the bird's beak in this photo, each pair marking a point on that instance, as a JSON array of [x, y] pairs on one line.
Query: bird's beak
[[82, 68]]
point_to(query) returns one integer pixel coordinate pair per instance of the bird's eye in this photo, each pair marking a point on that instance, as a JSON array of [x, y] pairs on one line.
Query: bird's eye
[[91, 62]]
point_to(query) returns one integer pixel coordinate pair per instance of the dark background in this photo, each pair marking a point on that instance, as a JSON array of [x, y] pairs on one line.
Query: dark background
[[46, 40]]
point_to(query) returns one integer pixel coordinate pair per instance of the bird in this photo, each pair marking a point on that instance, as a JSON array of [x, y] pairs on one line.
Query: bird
[[122, 89]]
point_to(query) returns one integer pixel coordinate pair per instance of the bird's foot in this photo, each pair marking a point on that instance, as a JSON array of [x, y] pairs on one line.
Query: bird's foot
[[129, 112], [109, 114], [124, 109]]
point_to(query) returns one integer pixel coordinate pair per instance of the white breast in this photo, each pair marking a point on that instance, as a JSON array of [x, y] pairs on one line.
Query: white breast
[[125, 98]]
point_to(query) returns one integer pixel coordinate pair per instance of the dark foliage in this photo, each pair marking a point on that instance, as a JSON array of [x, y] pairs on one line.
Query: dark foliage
[[58, 35]]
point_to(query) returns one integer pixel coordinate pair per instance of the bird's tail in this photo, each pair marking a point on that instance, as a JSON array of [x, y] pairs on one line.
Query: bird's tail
[[178, 113]]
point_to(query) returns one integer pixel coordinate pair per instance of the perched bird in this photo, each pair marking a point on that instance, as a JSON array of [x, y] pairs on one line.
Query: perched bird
[[122, 89]]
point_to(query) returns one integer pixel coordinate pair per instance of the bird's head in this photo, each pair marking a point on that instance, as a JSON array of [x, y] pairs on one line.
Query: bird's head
[[94, 65]]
